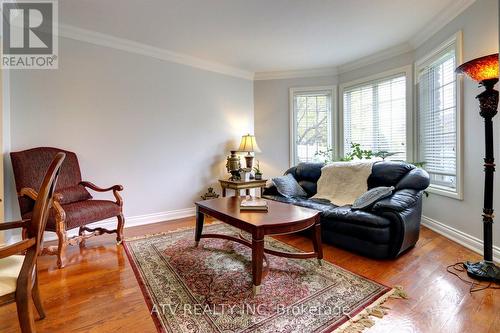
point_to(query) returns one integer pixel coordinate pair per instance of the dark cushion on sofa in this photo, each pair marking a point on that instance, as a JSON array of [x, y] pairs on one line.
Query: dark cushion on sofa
[[417, 179], [307, 175], [388, 173]]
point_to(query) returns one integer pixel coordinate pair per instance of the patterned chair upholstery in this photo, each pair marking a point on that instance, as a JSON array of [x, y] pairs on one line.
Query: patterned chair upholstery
[[74, 206]]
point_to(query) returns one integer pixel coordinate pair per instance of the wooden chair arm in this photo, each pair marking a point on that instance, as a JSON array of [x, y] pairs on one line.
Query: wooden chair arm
[[28, 192], [16, 248], [114, 188], [100, 189], [13, 225]]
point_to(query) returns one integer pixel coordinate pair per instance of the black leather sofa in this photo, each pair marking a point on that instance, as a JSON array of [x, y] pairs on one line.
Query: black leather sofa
[[387, 229]]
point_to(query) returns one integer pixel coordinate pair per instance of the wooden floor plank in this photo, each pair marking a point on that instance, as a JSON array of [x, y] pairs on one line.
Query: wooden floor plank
[[98, 292]]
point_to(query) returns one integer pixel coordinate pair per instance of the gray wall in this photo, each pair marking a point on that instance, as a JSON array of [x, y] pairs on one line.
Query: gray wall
[[161, 129], [479, 24]]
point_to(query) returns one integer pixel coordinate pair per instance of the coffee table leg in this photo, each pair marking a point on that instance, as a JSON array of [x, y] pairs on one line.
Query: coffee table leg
[[200, 218], [257, 261], [318, 246]]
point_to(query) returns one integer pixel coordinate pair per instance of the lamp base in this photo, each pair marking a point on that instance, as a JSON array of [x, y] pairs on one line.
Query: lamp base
[[483, 270], [249, 161]]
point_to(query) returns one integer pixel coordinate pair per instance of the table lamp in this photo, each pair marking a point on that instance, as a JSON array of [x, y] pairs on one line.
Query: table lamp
[[485, 71], [249, 145]]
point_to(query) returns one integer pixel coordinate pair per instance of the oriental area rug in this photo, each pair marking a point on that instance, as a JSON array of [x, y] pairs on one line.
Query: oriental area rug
[[209, 288]]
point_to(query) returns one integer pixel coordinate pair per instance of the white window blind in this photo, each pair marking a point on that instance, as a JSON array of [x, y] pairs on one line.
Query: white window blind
[[375, 116], [437, 118], [312, 130]]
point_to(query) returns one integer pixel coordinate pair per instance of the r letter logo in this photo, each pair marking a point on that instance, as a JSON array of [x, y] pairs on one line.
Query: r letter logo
[[28, 30]]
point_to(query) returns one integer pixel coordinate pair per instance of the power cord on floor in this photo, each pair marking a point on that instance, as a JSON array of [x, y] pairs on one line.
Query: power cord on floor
[[474, 285]]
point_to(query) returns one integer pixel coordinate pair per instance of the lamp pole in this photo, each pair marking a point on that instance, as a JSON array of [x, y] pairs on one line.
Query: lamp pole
[[488, 103]]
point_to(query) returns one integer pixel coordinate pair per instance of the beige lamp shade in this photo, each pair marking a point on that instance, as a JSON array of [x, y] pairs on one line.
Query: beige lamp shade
[[248, 144]]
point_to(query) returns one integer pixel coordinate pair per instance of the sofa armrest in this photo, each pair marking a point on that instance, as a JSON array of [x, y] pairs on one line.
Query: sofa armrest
[[398, 201]]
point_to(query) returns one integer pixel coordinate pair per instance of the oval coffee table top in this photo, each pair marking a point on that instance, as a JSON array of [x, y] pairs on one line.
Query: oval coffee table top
[[279, 214]]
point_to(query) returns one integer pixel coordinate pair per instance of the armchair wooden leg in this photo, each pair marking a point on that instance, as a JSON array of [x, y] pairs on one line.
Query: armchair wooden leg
[[119, 229], [81, 232], [37, 300], [24, 313], [61, 246]]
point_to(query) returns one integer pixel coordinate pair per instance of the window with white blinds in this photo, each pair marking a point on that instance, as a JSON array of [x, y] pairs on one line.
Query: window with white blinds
[[437, 118], [374, 116], [312, 123]]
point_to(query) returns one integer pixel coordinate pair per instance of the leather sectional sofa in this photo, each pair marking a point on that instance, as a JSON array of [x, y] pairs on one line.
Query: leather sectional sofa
[[385, 230]]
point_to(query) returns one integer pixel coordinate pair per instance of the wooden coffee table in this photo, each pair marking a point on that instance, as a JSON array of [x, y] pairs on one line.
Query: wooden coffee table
[[280, 219]]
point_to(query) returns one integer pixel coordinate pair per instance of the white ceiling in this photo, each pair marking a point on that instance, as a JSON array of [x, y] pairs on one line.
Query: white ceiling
[[259, 35]]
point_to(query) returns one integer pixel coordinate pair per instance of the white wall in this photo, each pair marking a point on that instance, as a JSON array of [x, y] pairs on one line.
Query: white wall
[[161, 129], [479, 24]]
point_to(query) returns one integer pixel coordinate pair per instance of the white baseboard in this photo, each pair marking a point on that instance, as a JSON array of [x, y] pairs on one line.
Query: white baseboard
[[466, 240], [132, 221]]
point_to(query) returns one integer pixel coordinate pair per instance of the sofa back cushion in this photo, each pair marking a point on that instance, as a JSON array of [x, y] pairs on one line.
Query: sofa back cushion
[[388, 173], [401, 175], [307, 175]]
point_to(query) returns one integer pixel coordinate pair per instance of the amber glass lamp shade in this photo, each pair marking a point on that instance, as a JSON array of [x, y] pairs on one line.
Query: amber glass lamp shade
[[481, 69]]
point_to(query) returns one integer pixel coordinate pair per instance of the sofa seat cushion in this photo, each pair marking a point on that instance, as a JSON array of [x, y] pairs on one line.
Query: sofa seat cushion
[[358, 217], [279, 198], [314, 204], [308, 203], [9, 271], [82, 213]]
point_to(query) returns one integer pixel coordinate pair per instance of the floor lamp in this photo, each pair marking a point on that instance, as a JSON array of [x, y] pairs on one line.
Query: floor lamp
[[485, 71]]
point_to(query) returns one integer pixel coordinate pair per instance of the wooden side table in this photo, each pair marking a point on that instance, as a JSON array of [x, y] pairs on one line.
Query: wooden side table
[[238, 185]]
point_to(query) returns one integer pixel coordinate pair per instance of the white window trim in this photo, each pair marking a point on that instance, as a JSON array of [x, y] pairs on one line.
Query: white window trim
[[407, 71], [457, 40], [293, 123]]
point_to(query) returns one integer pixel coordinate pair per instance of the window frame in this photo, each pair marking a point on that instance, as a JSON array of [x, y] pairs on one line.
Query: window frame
[[456, 41], [332, 89], [410, 119]]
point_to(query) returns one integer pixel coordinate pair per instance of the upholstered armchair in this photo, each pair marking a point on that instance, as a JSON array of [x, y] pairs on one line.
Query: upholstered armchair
[[73, 206]]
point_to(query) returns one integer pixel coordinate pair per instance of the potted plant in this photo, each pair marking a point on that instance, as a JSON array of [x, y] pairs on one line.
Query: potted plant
[[258, 173]]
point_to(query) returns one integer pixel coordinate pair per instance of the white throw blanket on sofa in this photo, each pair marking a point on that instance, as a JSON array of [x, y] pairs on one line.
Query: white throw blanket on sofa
[[343, 182]]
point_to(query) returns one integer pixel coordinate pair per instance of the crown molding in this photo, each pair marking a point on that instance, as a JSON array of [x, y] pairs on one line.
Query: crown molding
[[127, 45], [439, 21], [295, 73], [329, 71], [375, 57]]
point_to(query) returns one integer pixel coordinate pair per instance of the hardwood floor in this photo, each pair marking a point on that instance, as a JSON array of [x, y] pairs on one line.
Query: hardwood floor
[[98, 292]]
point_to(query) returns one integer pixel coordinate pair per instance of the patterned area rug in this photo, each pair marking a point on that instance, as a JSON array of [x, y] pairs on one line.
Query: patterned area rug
[[208, 288]]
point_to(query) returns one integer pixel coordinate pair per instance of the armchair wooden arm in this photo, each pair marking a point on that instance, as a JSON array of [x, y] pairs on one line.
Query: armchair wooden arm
[[16, 248], [13, 225], [28, 192], [96, 188], [32, 194], [114, 188]]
